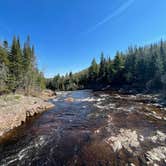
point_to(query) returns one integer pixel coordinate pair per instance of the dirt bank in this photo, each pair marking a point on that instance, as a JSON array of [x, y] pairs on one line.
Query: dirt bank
[[15, 109]]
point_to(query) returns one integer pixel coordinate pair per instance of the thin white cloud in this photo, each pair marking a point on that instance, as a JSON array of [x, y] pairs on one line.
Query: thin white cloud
[[116, 13]]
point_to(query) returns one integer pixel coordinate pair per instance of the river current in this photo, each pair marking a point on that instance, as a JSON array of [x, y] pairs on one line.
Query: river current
[[90, 129]]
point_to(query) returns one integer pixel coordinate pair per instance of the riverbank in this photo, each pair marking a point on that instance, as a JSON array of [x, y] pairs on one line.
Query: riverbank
[[16, 109]]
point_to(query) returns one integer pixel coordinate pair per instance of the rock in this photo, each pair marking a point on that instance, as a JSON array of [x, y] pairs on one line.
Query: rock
[[156, 154], [70, 99], [126, 138], [17, 111], [116, 145], [97, 131], [131, 164], [48, 94], [159, 136]]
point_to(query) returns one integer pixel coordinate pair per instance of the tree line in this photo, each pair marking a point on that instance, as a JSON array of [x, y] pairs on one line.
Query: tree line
[[18, 69], [139, 68]]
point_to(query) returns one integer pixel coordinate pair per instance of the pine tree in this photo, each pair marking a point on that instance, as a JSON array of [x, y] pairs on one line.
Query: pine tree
[[3, 78], [93, 71], [163, 54], [118, 62], [30, 70], [103, 68], [110, 70], [4, 56], [15, 63], [4, 62]]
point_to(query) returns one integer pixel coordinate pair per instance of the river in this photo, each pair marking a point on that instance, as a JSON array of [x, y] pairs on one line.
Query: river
[[90, 129]]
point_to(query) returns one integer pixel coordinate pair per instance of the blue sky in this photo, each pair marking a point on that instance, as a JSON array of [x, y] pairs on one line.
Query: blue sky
[[67, 34]]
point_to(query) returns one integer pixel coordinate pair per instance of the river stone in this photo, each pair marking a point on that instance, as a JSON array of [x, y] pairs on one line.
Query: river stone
[[156, 154], [126, 138]]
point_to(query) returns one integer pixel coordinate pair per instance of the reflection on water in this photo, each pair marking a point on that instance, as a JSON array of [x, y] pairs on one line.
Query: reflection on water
[[88, 128]]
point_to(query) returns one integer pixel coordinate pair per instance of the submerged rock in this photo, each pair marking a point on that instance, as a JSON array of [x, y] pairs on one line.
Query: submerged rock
[[156, 154], [70, 99], [158, 137], [127, 139]]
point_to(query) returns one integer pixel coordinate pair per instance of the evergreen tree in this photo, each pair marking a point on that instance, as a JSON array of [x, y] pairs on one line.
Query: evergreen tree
[[110, 70], [118, 62], [4, 56], [18, 68], [15, 63], [103, 68], [93, 71], [140, 68], [3, 78]]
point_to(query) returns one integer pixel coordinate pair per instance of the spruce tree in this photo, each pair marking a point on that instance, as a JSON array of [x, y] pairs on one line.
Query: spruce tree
[[15, 63], [93, 71]]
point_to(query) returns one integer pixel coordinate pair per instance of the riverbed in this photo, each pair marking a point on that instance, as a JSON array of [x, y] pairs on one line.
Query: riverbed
[[89, 129]]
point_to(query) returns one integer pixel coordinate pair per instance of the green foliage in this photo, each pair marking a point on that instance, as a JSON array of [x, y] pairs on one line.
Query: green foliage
[[15, 64], [140, 68], [118, 62], [3, 78], [18, 69], [102, 67], [93, 70]]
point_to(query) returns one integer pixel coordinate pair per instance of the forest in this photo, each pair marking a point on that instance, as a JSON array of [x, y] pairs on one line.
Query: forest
[[18, 68], [139, 68]]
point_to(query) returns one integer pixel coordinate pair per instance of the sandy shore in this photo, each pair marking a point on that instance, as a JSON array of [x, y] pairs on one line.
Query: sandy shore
[[15, 109]]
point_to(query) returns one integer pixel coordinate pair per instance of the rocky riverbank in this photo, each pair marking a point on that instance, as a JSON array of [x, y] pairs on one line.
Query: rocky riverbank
[[16, 109]]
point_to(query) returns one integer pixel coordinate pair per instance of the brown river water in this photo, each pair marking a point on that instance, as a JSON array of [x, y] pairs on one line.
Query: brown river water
[[90, 129]]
